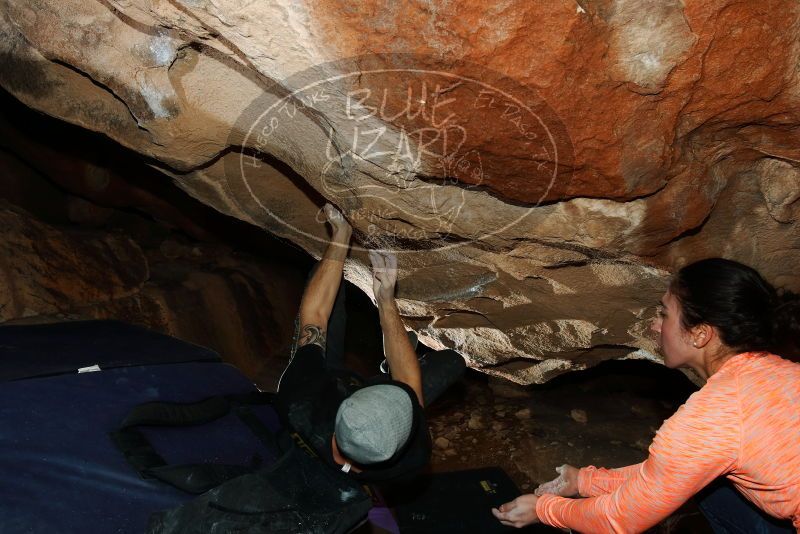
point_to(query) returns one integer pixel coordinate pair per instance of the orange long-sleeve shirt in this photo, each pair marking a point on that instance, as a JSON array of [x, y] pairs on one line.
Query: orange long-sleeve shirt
[[744, 424]]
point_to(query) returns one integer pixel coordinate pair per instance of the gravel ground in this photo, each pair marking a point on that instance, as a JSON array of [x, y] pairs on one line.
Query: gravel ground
[[606, 417]]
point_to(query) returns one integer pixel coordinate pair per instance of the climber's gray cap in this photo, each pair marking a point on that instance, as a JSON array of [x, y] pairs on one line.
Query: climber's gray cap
[[373, 423]]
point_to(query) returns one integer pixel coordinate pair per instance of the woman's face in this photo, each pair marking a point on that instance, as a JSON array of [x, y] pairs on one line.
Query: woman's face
[[674, 342]]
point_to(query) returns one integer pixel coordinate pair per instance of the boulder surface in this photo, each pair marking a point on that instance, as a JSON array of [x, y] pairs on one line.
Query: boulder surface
[[539, 167]]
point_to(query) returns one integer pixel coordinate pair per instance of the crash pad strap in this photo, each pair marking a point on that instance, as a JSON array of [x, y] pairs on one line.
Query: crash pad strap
[[191, 478]]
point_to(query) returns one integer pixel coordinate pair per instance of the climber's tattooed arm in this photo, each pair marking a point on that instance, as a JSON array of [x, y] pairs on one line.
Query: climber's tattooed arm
[[311, 334]]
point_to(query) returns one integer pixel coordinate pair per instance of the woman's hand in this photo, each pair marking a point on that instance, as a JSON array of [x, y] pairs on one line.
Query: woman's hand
[[384, 275], [565, 485], [518, 513]]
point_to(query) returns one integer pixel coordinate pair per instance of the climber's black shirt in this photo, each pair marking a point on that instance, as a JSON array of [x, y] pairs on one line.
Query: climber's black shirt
[[309, 395]]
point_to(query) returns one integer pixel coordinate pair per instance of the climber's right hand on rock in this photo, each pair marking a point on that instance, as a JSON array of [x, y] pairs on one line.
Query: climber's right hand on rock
[[384, 275]]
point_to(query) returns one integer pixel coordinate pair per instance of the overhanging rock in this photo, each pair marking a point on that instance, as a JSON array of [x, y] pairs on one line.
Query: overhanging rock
[[540, 167]]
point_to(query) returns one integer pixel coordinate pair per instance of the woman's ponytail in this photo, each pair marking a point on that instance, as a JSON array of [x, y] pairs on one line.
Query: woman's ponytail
[[750, 314], [786, 325]]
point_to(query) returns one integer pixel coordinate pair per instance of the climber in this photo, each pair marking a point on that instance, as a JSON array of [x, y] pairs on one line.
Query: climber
[[373, 429], [735, 443]]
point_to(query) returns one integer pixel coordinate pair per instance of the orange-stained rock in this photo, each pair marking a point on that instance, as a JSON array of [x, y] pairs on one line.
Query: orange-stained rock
[[241, 308], [46, 270], [541, 166]]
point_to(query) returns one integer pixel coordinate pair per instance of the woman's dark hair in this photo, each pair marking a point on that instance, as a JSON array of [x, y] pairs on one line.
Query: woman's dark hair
[[748, 312]]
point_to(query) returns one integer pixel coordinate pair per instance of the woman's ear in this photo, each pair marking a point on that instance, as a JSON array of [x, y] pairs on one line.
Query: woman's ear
[[701, 335]]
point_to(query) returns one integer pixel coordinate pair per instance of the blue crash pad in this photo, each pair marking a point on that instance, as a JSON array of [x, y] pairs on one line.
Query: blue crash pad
[[60, 472], [49, 349]]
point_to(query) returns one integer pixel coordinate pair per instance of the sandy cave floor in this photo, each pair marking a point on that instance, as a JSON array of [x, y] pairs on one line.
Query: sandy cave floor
[[606, 417]]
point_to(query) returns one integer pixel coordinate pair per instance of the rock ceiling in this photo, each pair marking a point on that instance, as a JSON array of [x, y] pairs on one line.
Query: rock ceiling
[[540, 167]]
